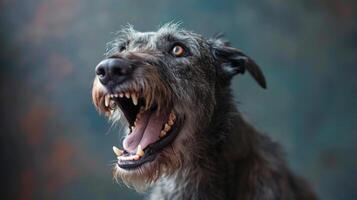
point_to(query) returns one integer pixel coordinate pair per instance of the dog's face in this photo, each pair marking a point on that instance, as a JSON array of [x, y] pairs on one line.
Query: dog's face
[[162, 86]]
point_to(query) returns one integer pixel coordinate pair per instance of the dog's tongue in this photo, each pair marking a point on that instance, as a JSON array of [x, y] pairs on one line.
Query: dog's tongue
[[146, 132]]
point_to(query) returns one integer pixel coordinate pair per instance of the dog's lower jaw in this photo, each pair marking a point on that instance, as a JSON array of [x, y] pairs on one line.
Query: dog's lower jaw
[[244, 165]]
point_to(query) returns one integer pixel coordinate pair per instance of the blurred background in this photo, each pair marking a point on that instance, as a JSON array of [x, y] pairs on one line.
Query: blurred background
[[55, 146]]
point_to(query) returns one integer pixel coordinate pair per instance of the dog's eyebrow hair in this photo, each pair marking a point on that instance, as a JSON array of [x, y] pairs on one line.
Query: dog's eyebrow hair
[[140, 40], [171, 38], [123, 42]]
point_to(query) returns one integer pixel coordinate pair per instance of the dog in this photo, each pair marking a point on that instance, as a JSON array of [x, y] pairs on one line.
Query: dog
[[185, 138]]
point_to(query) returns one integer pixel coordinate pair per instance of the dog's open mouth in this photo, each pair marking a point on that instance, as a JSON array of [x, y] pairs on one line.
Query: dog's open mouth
[[152, 128]]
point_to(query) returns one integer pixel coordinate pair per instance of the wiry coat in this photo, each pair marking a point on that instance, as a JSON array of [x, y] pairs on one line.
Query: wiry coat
[[236, 162], [217, 154]]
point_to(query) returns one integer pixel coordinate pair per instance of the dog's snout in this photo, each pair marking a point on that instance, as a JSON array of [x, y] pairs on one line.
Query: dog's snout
[[114, 70]]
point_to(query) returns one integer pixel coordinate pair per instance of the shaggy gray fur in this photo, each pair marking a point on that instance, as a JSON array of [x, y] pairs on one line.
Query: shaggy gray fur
[[221, 155]]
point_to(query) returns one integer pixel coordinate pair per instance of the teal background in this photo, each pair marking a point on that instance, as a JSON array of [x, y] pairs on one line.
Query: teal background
[[55, 146]]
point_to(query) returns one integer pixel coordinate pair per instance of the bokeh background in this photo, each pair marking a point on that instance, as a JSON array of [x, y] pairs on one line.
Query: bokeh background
[[55, 146]]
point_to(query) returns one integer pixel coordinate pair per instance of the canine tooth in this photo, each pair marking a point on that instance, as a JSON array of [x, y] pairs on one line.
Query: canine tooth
[[167, 127], [116, 95], [121, 95], [134, 97], [162, 133], [127, 95], [140, 151], [132, 128], [111, 95], [172, 116], [118, 151], [106, 100]]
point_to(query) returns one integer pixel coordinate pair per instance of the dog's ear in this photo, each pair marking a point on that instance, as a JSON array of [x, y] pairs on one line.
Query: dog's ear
[[232, 61]]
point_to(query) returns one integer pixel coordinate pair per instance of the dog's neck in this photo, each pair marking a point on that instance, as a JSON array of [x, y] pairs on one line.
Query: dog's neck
[[207, 174]]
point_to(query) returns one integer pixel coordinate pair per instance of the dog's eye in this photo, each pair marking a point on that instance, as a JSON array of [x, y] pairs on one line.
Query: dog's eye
[[178, 51], [122, 48]]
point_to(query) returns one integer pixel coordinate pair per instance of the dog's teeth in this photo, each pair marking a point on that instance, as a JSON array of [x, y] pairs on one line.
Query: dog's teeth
[[111, 95], [116, 95], [127, 95], [132, 128], [172, 116], [133, 157], [121, 95], [170, 122], [118, 151], [167, 127], [106, 100], [162, 134], [140, 151], [123, 158], [134, 98], [136, 157]]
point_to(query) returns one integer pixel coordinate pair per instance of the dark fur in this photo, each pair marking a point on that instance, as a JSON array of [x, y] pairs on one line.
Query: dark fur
[[220, 155]]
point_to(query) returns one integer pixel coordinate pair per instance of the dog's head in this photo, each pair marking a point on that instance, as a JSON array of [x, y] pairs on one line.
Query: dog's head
[[163, 86]]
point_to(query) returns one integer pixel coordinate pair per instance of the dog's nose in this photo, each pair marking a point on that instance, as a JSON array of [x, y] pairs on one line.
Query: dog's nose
[[113, 70]]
